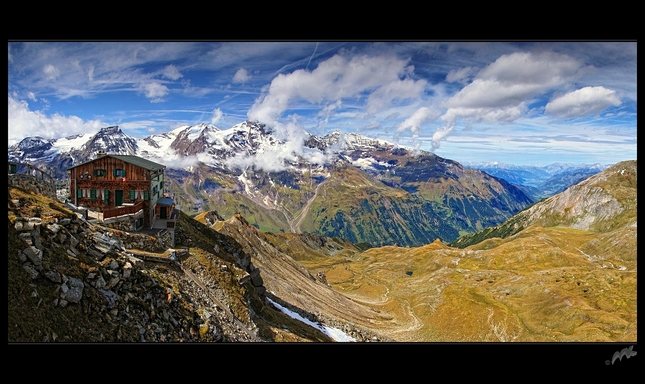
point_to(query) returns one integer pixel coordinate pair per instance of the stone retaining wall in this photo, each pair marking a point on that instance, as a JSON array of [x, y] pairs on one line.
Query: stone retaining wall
[[31, 183]]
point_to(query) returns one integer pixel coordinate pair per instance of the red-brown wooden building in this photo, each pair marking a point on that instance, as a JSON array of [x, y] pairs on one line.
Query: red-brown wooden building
[[121, 184]]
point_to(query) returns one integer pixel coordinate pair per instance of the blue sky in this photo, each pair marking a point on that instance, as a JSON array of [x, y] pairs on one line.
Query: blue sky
[[512, 102]]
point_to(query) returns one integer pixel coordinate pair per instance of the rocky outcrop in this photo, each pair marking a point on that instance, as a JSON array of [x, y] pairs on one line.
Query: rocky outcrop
[[122, 290]]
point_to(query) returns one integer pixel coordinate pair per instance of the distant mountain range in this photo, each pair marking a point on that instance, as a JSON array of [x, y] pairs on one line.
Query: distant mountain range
[[540, 181], [339, 185]]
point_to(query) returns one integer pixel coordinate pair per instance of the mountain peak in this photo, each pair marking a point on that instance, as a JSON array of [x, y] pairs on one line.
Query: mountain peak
[[113, 130]]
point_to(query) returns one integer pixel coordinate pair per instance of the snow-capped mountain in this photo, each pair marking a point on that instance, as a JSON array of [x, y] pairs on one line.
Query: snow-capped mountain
[[341, 184]]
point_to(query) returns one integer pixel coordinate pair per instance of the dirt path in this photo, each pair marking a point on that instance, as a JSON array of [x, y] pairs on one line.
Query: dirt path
[[303, 213]]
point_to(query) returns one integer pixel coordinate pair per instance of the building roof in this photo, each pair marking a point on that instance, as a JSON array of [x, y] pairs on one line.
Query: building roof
[[135, 160], [165, 201]]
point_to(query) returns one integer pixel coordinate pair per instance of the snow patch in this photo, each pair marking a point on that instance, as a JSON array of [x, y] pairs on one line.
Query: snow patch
[[335, 333]]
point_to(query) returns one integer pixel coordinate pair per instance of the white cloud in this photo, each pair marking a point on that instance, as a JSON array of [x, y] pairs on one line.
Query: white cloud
[[154, 91], [414, 122], [582, 102], [241, 76], [500, 92], [172, 73], [217, 115], [515, 78], [371, 125], [277, 158], [24, 123], [31, 96], [460, 75], [335, 79], [439, 135], [51, 72]]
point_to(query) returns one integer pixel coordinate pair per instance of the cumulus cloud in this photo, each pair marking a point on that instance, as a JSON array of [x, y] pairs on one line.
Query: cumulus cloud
[[582, 102], [415, 121], [460, 75], [31, 96], [277, 158], [513, 79], [439, 135], [154, 91], [179, 162], [241, 76], [24, 123], [335, 79], [217, 115], [500, 92], [171, 72], [381, 80]]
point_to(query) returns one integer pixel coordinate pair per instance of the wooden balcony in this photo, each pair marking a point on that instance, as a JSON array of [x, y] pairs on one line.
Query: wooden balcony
[[124, 210]]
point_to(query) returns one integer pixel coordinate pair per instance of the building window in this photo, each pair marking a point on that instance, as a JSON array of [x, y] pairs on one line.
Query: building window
[[118, 172], [100, 172], [83, 193], [136, 195]]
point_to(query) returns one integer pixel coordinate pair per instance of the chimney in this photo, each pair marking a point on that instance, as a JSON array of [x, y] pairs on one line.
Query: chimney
[[100, 153]]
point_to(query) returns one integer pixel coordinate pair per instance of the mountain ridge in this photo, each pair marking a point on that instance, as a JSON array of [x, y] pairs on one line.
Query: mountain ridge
[[248, 169]]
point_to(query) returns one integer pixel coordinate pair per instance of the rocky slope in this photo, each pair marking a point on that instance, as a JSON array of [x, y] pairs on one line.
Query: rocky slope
[[71, 281]]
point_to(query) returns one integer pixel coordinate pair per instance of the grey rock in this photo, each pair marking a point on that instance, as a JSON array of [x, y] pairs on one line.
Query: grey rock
[[75, 291], [73, 241], [54, 228], [36, 236], [33, 273], [256, 279], [28, 226], [110, 296], [127, 270], [34, 254], [96, 254], [26, 237], [53, 276], [99, 283]]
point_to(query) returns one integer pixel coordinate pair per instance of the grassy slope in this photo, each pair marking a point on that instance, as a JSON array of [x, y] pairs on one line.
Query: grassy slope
[[536, 284], [547, 285]]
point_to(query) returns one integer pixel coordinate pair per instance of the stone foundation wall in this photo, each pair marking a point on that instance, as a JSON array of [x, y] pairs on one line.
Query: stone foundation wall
[[31, 183]]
